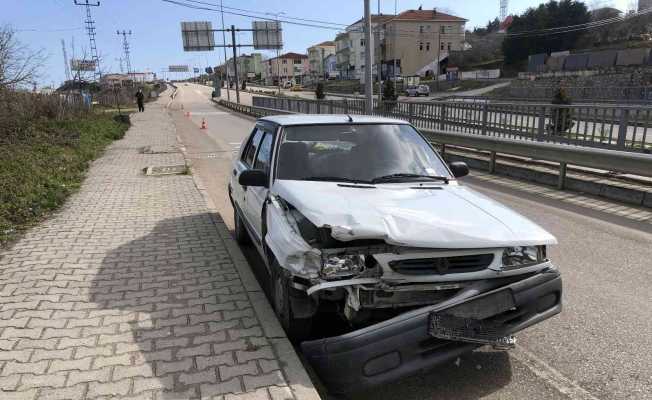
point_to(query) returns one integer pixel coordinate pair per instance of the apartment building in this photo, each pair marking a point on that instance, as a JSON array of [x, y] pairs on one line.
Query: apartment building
[[317, 55], [418, 42], [250, 66], [350, 47], [290, 67]]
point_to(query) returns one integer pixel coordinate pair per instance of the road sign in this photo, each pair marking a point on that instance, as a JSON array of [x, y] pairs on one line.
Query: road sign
[[198, 36], [178, 68], [195, 70], [209, 70], [82, 65], [268, 35]]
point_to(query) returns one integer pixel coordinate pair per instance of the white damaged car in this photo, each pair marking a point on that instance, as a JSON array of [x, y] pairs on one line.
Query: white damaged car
[[361, 217]]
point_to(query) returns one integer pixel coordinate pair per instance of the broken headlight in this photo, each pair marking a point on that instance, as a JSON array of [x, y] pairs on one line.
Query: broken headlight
[[342, 266], [523, 256]]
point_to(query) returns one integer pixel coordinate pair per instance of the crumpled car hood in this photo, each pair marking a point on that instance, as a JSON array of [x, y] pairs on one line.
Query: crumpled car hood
[[446, 217]]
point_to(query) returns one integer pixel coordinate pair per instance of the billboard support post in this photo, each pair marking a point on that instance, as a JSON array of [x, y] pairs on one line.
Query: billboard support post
[[235, 65]]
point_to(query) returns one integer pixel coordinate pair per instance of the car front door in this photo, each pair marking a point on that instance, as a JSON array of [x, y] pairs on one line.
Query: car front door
[[245, 161], [255, 196]]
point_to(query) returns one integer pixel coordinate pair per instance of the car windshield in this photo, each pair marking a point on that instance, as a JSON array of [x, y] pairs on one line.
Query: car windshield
[[373, 153]]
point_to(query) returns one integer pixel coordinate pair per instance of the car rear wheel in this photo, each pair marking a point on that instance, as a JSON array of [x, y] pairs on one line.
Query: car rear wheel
[[241, 234], [297, 329]]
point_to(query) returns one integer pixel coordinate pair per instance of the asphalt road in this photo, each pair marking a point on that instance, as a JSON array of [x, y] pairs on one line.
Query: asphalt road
[[598, 348]]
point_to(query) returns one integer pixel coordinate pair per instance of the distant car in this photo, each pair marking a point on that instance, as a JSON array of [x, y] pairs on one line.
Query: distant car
[[359, 218], [287, 84], [417, 90]]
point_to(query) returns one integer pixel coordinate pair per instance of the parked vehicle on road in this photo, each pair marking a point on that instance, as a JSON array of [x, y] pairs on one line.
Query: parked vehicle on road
[[417, 90], [361, 218]]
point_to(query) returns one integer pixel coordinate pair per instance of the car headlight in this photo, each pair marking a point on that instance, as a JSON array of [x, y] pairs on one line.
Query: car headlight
[[523, 256], [342, 266]]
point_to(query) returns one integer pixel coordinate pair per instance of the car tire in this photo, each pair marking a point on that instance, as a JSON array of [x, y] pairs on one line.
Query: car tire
[[297, 329], [241, 235]]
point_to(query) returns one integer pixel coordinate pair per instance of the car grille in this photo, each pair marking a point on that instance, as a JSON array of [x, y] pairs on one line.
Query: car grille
[[442, 265]]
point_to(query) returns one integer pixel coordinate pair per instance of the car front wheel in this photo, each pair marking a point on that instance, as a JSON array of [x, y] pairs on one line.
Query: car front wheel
[[297, 329]]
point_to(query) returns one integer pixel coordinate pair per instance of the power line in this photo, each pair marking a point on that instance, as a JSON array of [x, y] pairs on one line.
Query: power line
[[179, 3], [578, 27], [260, 12]]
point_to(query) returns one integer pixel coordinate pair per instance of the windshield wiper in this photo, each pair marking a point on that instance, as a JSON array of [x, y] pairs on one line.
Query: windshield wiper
[[335, 179], [408, 176]]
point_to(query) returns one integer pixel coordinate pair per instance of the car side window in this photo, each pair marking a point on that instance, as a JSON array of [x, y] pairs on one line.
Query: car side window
[[252, 146], [264, 156]]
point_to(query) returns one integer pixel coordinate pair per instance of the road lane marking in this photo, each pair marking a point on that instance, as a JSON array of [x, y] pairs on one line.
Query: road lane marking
[[548, 374]]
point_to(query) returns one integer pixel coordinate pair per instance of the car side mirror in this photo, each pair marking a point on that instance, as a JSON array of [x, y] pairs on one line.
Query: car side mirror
[[459, 169], [253, 177]]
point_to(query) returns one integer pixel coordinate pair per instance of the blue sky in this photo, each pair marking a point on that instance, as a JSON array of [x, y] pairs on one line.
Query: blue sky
[[156, 39]]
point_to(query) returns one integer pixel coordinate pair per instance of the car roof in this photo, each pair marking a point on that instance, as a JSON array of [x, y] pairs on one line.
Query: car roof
[[328, 119]]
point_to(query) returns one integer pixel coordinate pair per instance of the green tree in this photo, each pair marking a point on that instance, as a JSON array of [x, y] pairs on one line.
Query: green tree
[[319, 91], [553, 14], [389, 92]]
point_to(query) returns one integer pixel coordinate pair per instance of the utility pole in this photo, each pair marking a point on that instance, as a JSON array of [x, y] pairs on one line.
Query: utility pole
[[65, 59], [126, 50], [394, 45], [90, 31], [368, 73], [226, 61], [235, 64]]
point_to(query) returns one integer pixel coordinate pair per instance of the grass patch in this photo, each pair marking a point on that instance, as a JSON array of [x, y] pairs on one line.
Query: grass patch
[[46, 162]]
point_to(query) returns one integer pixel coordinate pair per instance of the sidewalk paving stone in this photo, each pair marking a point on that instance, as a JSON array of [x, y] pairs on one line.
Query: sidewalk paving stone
[[131, 291]]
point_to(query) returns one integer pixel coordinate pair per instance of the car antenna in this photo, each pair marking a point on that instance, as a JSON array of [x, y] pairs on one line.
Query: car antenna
[[350, 118]]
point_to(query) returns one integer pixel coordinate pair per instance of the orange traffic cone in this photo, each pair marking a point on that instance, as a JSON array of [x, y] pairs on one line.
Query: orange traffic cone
[[203, 123]]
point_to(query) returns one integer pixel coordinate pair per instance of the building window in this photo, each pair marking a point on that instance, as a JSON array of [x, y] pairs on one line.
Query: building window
[[298, 61], [428, 46], [362, 42], [421, 29], [420, 46], [441, 47], [285, 61], [449, 46]]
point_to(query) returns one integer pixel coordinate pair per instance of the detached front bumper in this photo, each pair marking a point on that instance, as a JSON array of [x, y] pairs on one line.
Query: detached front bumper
[[402, 346]]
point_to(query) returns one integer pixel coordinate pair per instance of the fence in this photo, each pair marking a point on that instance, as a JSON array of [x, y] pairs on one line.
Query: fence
[[627, 128], [593, 93]]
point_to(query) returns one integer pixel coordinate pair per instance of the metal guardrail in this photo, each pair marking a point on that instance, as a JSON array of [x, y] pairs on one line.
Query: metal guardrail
[[623, 127], [603, 159]]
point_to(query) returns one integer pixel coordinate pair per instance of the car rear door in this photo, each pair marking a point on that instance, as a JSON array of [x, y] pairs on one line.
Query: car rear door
[[255, 196]]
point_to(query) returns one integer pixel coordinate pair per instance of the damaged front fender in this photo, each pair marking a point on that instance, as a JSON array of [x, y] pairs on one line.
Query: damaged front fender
[[284, 240]]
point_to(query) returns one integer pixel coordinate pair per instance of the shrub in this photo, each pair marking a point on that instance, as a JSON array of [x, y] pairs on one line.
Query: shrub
[[319, 91]]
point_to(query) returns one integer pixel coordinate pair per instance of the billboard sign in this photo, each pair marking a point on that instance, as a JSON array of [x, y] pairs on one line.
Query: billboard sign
[[209, 70], [195, 70], [82, 65], [198, 36], [178, 68], [268, 35]]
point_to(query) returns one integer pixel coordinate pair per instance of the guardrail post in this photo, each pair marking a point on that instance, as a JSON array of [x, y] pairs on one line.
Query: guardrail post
[[346, 106], [561, 183], [541, 128], [492, 162], [330, 106], [622, 128], [411, 113], [318, 106], [485, 115]]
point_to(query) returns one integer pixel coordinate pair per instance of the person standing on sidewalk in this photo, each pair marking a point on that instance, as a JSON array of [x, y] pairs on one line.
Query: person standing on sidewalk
[[140, 99]]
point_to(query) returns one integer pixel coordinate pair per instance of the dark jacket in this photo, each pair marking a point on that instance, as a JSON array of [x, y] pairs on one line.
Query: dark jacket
[[140, 97]]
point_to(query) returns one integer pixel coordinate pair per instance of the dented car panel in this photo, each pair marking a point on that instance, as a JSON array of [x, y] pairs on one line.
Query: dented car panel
[[403, 345]]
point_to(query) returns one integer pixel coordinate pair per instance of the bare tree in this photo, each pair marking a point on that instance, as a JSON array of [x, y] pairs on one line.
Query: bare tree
[[19, 65]]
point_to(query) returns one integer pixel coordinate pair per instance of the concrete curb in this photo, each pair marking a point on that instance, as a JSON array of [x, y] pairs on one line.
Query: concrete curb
[[295, 374]]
